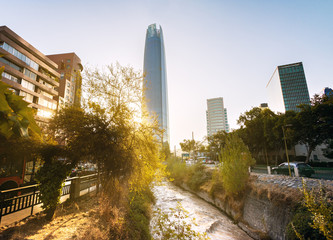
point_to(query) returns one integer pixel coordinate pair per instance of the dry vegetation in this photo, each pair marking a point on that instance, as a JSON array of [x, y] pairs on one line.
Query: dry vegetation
[[89, 218]]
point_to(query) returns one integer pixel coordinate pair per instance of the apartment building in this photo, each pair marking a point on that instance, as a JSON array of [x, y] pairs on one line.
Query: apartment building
[[69, 68], [29, 73]]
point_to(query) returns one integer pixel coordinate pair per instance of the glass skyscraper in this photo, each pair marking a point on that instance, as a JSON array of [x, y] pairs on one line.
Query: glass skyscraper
[[287, 88], [156, 92]]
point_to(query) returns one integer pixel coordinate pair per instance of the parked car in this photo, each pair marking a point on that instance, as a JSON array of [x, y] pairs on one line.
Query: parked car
[[303, 169]]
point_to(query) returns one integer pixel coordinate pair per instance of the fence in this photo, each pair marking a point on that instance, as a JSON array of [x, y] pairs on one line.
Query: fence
[[320, 173], [17, 199]]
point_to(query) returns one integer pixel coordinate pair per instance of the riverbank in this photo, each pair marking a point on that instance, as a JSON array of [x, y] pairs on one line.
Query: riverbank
[[208, 219], [267, 205], [92, 216], [71, 221]]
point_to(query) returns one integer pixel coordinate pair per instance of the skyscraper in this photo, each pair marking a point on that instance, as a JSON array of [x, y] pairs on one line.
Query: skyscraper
[[287, 88], [217, 119], [156, 92]]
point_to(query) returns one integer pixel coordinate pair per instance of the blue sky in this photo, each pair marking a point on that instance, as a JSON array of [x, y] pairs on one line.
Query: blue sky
[[213, 49]]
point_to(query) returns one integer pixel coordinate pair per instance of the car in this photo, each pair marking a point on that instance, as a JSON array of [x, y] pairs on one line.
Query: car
[[303, 169], [209, 161]]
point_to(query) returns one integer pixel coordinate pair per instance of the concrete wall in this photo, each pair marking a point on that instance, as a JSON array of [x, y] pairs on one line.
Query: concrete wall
[[260, 217]]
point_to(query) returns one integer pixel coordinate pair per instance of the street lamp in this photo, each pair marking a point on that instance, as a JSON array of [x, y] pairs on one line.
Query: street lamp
[[285, 145]]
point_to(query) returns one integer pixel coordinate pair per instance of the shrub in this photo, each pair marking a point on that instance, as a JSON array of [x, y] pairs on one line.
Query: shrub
[[299, 227], [51, 178], [175, 225], [176, 169], [139, 214], [196, 176], [235, 160], [321, 210]]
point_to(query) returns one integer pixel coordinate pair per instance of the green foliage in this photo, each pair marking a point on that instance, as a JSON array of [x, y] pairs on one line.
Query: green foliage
[[260, 132], [190, 146], [215, 143], [16, 118], [299, 227], [111, 129], [176, 169], [235, 161], [140, 214], [51, 177], [194, 175], [321, 210], [175, 225], [197, 176]]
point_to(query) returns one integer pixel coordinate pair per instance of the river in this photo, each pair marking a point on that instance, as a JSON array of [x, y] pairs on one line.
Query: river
[[207, 217]]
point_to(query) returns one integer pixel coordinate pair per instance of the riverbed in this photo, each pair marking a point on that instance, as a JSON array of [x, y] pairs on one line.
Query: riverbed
[[208, 218]]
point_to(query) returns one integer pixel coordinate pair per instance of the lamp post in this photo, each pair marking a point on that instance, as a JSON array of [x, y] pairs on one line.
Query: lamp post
[[285, 145]]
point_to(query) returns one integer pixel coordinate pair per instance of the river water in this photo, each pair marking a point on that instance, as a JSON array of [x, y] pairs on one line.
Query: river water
[[207, 218]]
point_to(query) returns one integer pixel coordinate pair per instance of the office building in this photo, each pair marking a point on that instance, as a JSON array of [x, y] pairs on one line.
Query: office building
[[70, 68], [156, 88], [287, 88], [216, 114], [29, 73]]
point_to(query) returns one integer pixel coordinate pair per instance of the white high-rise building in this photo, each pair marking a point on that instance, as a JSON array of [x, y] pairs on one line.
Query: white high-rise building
[[216, 114]]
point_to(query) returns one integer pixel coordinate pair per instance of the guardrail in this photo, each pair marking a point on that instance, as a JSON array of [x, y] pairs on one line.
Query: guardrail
[[320, 173], [17, 199]]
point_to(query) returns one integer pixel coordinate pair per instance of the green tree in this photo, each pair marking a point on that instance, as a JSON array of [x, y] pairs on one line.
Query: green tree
[[258, 131], [216, 142], [20, 136], [16, 118], [314, 125], [190, 146], [112, 128], [235, 161]]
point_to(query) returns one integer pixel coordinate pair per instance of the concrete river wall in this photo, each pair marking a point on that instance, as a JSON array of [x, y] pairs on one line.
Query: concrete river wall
[[266, 209]]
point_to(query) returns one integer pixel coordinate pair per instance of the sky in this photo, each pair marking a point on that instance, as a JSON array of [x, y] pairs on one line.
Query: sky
[[214, 48]]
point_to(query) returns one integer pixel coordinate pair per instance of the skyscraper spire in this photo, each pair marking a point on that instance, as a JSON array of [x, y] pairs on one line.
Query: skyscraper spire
[[156, 89]]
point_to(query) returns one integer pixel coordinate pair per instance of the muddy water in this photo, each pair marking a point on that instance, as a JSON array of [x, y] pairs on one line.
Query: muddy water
[[207, 218]]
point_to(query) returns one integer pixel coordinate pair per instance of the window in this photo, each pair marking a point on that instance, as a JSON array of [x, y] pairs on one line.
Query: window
[[43, 113], [10, 77], [46, 94], [30, 74], [5, 61], [28, 85], [27, 96], [19, 55]]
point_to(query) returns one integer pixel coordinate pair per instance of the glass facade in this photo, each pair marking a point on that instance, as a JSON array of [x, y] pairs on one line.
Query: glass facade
[[287, 88], [156, 89], [19, 55]]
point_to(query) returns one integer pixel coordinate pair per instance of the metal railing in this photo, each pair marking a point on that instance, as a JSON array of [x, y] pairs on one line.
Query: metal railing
[[17, 199]]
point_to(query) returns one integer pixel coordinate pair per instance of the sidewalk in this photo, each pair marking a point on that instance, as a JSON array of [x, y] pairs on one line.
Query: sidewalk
[[20, 215]]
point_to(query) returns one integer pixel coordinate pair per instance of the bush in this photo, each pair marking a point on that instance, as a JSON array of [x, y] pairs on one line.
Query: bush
[[175, 225], [176, 168], [197, 176], [139, 214], [235, 160], [300, 225], [51, 177]]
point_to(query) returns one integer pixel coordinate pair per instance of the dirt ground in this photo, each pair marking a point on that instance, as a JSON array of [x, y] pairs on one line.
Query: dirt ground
[[71, 221]]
